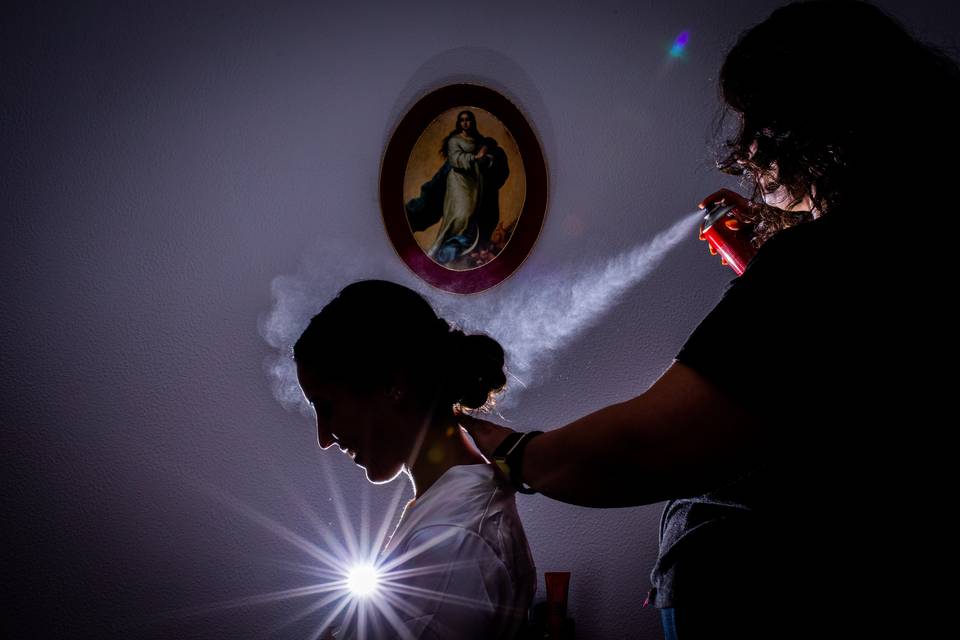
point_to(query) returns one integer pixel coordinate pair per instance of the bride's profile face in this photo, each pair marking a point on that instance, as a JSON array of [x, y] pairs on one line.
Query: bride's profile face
[[368, 427]]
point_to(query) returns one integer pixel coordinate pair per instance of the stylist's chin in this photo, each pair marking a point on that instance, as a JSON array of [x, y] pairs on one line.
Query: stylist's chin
[[781, 199]]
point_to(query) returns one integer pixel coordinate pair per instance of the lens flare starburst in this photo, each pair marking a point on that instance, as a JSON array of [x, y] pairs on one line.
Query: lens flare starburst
[[362, 580], [353, 588]]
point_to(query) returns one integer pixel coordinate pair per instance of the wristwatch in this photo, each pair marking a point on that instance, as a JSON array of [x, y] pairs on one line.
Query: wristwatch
[[509, 458]]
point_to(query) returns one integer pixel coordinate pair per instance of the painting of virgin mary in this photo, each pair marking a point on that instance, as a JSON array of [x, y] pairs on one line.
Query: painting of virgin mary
[[460, 203], [463, 188]]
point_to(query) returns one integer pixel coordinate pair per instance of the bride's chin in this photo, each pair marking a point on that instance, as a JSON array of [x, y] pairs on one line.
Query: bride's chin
[[381, 476]]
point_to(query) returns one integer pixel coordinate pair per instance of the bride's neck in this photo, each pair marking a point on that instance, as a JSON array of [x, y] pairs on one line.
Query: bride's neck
[[443, 446]]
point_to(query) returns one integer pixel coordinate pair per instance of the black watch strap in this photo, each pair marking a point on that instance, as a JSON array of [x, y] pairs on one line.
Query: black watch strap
[[509, 458]]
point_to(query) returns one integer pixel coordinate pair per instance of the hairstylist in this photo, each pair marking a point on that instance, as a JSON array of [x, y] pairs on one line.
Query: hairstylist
[[798, 435]]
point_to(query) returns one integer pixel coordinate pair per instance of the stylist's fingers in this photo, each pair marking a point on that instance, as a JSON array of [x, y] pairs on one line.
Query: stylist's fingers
[[487, 435], [723, 195], [726, 196]]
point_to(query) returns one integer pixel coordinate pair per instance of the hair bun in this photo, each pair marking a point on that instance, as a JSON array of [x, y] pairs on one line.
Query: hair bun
[[476, 368]]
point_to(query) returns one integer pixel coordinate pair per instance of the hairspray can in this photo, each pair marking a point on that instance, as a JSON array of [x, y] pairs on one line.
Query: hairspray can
[[728, 236]]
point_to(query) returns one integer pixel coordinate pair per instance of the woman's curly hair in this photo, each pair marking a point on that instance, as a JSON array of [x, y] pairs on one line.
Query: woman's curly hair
[[839, 99]]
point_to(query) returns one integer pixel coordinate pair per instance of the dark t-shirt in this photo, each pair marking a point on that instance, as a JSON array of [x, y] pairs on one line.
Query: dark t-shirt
[[827, 338]]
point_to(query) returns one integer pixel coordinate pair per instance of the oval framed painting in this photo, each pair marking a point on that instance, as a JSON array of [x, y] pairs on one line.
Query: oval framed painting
[[463, 188]]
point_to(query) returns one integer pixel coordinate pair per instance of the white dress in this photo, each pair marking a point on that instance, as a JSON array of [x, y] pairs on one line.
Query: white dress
[[463, 568], [464, 189]]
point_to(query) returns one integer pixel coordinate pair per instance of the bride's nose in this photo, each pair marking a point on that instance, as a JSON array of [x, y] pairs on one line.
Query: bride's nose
[[324, 437]]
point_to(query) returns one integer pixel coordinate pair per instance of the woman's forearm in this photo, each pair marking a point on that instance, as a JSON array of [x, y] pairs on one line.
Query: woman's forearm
[[681, 437], [590, 462]]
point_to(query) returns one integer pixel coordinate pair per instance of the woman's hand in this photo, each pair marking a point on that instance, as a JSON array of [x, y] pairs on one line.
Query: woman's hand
[[726, 196], [486, 435]]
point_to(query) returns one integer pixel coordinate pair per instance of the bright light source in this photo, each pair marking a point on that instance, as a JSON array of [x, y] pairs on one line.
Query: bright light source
[[362, 580]]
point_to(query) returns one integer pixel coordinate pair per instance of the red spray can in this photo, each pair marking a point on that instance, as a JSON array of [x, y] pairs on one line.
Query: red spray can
[[728, 236]]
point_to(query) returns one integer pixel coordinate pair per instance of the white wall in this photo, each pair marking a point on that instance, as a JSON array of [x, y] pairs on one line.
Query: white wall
[[163, 165]]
